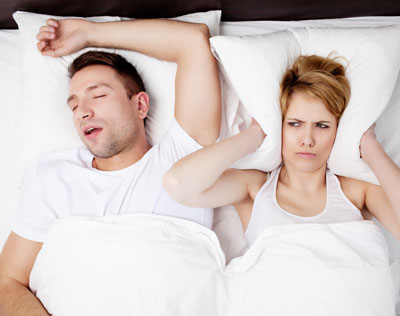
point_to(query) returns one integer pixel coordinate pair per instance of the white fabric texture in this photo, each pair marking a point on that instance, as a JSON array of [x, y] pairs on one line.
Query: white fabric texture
[[373, 56], [261, 27], [64, 183], [9, 83], [153, 265], [267, 212], [44, 90]]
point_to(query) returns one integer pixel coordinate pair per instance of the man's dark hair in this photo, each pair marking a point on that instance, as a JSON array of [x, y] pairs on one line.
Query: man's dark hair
[[130, 78]]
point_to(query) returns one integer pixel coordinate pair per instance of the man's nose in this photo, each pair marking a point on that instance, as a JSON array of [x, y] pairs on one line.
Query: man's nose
[[85, 110]]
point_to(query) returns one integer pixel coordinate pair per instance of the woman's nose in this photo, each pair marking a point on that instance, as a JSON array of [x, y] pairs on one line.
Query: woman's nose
[[308, 137]]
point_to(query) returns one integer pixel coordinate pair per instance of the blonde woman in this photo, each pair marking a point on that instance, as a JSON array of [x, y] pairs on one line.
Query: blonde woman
[[314, 94]]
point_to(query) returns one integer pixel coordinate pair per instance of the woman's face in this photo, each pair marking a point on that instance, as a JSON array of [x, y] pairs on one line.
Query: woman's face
[[308, 133]]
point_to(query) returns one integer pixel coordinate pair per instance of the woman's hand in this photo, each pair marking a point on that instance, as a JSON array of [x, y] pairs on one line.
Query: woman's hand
[[63, 37], [368, 143], [258, 130], [382, 201]]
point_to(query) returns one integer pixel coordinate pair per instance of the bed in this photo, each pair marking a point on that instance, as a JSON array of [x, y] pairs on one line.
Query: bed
[[227, 257]]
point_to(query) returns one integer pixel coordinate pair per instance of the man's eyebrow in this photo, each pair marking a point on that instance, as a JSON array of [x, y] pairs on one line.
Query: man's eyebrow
[[71, 97], [98, 85]]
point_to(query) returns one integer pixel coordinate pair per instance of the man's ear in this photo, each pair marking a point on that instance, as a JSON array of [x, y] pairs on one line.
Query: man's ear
[[141, 101]]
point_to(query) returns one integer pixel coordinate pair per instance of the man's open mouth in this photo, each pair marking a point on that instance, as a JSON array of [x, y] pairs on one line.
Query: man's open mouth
[[89, 130], [92, 132]]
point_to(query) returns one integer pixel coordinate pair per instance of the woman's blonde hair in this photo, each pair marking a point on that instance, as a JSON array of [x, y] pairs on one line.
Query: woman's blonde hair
[[321, 77]]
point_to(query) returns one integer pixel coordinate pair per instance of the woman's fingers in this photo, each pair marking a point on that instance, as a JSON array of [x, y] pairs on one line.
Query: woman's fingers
[[370, 130]]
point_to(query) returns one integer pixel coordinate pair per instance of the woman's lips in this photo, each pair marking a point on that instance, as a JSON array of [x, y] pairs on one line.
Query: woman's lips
[[306, 154]]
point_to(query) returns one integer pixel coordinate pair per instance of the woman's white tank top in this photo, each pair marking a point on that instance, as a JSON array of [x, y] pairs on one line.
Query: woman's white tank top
[[267, 212]]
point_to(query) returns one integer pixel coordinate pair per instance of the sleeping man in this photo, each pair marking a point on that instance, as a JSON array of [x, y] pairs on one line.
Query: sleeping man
[[117, 172]]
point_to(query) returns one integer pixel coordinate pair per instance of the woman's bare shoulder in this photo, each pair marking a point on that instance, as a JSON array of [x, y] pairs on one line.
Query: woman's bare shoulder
[[354, 189], [352, 183]]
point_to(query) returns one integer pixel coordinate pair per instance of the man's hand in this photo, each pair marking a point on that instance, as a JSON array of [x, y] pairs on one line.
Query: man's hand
[[63, 37]]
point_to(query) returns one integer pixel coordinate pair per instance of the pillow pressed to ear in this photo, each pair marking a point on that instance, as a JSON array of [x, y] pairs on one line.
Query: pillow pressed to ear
[[254, 66], [44, 120]]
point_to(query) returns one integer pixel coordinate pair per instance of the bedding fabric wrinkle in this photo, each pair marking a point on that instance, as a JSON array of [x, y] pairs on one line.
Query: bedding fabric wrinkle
[[145, 264]]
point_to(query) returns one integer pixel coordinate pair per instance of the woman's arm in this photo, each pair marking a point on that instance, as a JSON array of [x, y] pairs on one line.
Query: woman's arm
[[382, 201], [202, 178]]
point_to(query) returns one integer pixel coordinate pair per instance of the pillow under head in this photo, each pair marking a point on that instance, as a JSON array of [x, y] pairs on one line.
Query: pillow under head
[[44, 120]]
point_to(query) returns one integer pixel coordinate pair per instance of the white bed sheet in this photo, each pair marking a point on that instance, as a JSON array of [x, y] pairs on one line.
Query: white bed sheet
[[310, 269]]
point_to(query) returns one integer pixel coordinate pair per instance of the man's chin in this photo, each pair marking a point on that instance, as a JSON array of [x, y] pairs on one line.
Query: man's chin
[[99, 153]]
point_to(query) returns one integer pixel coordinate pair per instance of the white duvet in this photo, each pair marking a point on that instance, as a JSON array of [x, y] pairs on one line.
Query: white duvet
[[154, 265]]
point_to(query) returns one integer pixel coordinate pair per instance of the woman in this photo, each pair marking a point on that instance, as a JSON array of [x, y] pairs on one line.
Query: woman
[[314, 94]]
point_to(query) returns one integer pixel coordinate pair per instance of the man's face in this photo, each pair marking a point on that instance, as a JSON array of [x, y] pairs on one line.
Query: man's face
[[105, 118]]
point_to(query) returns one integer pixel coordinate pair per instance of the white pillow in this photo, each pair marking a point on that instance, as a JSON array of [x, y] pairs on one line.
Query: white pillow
[[145, 264], [254, 65], [45, 122]]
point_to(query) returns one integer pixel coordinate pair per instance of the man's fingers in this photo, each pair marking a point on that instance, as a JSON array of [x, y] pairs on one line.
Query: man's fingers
[[49, 52], [52, 22], [46, 28], [45, 36], [41, 45], [53, 52]]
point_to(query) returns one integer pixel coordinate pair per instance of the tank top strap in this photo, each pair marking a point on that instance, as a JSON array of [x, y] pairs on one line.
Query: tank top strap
[[262, 202], [272, 181], [336, 196], [334, 189]]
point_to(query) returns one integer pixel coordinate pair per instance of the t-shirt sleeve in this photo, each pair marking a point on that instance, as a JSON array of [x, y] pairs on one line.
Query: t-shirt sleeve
[[176, 143], [31, 219]]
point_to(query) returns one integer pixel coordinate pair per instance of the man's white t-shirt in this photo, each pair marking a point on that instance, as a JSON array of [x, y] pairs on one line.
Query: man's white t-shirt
[[64, 183]]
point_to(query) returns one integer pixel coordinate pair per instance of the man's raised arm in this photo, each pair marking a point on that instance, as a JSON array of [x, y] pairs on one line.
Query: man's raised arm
[[197, 89]]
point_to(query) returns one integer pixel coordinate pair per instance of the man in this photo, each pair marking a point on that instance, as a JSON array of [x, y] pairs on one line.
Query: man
[[119, 172]]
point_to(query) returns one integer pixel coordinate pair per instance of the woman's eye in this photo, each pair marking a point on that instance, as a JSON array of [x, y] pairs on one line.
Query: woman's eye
[[74, 108], [99, 96], [294, 124], [322, 125]]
